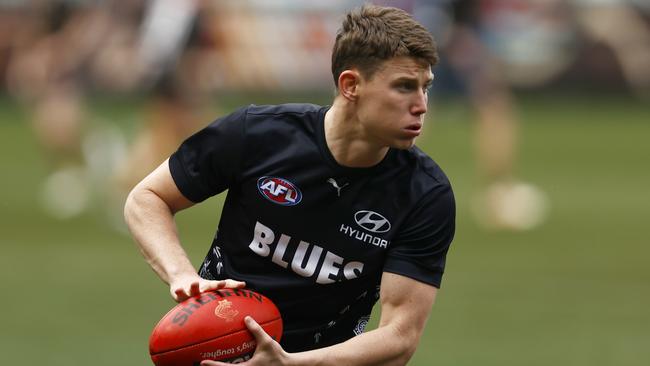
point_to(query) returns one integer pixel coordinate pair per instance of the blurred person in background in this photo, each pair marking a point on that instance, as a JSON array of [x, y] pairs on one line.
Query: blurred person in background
[[62, 50], [619, 26], [504, 201], [494, 46], [171, 56], [167, 48], [539, 43], [53, 45], [303, 181]]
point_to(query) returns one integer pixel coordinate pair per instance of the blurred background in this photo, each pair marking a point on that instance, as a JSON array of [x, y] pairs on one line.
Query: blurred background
[[540, 116]]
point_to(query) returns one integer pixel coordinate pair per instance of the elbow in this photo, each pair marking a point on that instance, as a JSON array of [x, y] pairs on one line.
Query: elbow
[[406, 352], [409, 353], [407, 343], [142, 204], [129, 207], [133, 204]]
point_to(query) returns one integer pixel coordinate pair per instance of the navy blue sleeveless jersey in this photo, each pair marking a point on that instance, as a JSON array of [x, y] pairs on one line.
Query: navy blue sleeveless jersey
[[312, 235]]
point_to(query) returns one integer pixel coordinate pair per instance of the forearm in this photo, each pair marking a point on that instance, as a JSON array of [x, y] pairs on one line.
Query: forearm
[[152, 225], [385, 345], [405, 307]]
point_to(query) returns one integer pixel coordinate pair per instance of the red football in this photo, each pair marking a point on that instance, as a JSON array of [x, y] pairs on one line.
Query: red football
[[211, 327]]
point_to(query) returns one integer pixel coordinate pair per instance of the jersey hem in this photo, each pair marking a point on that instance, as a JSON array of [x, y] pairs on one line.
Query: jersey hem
[[183, 183], [413, 271]]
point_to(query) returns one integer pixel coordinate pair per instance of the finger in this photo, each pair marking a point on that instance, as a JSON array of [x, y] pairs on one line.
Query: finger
[[194, 289], [179, 295], [233, 284], [210, 285], [216, 285], [258, 332]]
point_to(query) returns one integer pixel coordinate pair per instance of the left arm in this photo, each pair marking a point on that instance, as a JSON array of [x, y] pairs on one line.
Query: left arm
[[405, 307]]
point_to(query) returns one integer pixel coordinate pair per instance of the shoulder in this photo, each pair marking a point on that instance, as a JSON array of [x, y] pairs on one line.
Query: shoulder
[[259, 113], [282, 123], [423, 171]]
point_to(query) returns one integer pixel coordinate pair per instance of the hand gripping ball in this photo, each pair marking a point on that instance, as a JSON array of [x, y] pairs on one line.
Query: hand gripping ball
[[211, 326]]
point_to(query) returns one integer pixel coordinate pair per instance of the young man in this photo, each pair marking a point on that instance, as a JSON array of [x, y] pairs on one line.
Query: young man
[[328, 208]]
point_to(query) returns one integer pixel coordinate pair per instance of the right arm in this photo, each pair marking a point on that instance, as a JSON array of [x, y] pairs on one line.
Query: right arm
[[149, 213]]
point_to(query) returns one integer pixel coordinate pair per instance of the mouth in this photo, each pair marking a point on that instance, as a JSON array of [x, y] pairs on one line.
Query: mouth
[[414, 129]]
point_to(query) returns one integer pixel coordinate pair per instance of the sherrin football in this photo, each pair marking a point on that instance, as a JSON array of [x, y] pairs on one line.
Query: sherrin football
[[211, 326]]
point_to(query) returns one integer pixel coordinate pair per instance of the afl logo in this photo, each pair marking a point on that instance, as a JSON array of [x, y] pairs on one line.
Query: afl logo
[[372, 221], [279, 190]]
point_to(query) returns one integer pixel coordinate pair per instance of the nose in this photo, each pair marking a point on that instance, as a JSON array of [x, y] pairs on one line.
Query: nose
[[420, 103]]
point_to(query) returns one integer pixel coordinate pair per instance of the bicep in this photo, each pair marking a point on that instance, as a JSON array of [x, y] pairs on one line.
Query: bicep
[[160, 183], [405, 304]]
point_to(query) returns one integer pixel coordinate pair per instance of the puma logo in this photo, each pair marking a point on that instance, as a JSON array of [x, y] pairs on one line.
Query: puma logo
[[336, 185]]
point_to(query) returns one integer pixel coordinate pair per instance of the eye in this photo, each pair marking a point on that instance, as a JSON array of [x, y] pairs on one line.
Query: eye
[[406, 86]]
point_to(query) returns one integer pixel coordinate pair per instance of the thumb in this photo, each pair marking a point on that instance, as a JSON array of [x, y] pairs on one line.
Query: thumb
[[213, 363], [258, 332]]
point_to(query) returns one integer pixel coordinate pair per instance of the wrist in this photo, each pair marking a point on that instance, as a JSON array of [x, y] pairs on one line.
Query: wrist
[[179, 273], [307, 358]]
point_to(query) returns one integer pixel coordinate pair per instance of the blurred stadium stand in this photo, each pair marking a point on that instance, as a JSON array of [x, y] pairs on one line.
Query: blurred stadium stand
[[284, 45]]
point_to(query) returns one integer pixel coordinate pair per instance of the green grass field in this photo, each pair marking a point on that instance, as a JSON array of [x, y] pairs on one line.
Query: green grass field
[[575, 291]]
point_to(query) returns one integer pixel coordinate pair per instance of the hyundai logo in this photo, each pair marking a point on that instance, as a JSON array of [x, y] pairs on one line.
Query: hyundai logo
[[372, 221]]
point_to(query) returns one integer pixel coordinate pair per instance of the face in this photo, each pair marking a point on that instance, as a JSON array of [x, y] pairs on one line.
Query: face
[[391, 104]]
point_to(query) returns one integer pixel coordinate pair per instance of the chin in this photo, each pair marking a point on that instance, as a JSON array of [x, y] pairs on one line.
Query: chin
[[403, 144]]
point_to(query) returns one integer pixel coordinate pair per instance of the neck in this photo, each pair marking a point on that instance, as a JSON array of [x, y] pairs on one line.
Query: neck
[[347, 140]]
